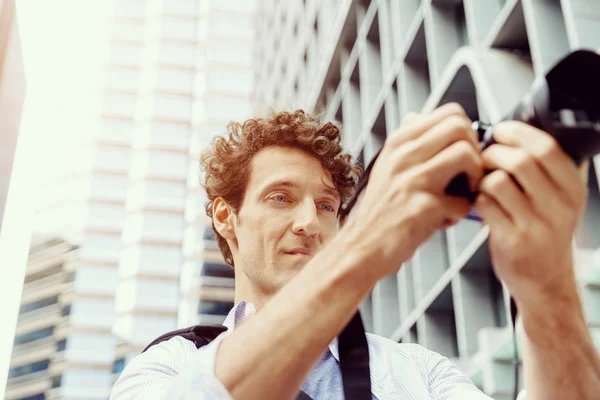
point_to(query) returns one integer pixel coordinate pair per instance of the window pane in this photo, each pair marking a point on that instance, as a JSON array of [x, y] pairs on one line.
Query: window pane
[[117, 130], [169, 134], [35, 335], [101, 247], [28, 369], [226, 108], [229, 80], [231, 26], [112, 159], [156, 194], [185, 8], [173, 107], [120, 104], [175, 80], [218, 270], [178, 28], [109, 187], [38, 304], [118, 366], [209, 234], [56, 382], [106, 216], [214, 307], [229, 52], [61, 345], [180, 54]]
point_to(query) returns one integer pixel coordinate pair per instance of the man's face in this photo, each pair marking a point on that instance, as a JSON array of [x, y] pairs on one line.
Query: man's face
[[288, 213]]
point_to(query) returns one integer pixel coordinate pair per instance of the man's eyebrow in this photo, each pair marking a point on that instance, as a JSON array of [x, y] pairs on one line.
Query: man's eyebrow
[[289, 184], [332, 192], [280, 183]]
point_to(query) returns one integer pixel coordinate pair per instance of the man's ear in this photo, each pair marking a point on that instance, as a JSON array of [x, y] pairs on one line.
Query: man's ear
[[224, 218]]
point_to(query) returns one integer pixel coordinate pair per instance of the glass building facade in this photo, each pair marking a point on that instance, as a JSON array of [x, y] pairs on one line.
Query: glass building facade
[[367, 64]]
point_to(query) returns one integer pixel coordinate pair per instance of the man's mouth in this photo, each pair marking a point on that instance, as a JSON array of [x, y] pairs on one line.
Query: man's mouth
[[299, 251]]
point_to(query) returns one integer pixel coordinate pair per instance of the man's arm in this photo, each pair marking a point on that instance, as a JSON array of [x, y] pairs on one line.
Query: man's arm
[[560, 361], [270, 354], [533, 202]]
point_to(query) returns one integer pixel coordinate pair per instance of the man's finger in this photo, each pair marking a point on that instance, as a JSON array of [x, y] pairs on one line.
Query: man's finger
[[557, 164], [410, 118], [452, 129], [430, 143], [524, 168], [453, 209], [420, 125], [499, 186], [491, 212], [455, 159]]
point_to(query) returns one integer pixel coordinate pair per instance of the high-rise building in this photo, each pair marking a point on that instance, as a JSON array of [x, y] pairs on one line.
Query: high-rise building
[[193, 68], [38, 359], [369, 63], [126, 194]]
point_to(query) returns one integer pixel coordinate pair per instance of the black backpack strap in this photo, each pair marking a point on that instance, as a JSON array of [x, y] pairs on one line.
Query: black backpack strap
[[354, 360], [303, 396], [201, 335], [352, 344]]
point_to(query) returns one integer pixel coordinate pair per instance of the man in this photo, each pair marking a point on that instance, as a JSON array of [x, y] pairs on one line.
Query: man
[[275, 186]]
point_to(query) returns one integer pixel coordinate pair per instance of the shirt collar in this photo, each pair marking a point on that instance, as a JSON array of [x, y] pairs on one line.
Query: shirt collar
[[238, 314], [242, 310]]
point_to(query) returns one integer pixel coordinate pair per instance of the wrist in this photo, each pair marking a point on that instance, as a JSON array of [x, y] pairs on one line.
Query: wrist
[[358, 259], [555, 283], [539, 296], [381, 250], [551, 312]]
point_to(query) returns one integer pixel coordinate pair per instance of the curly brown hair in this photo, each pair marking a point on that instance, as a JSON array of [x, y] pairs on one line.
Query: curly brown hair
[[226, 161]]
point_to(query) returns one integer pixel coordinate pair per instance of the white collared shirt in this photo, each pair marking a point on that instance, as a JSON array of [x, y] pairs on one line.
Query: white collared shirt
[[176, 369]]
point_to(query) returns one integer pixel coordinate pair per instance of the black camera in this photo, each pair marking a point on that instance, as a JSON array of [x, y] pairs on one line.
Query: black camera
[[564, 103]]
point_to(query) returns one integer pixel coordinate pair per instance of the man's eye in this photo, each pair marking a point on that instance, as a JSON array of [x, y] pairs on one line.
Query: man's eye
[[328, 207], [279, 198]]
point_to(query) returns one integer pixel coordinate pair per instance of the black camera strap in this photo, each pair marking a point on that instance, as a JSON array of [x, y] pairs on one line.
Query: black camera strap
[[354, 362]]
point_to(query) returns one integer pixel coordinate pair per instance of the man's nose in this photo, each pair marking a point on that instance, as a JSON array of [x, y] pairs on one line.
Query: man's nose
[[307, 220]]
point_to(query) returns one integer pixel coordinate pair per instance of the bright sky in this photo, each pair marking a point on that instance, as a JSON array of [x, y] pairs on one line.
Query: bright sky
[[65, 47], [64, 44]]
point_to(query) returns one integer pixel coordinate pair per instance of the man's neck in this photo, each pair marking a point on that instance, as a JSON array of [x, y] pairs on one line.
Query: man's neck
[[245, 291]]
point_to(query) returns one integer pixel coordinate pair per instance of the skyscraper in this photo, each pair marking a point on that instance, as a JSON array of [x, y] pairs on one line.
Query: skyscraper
[[39, 360], [127, 202], [369, 63]]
